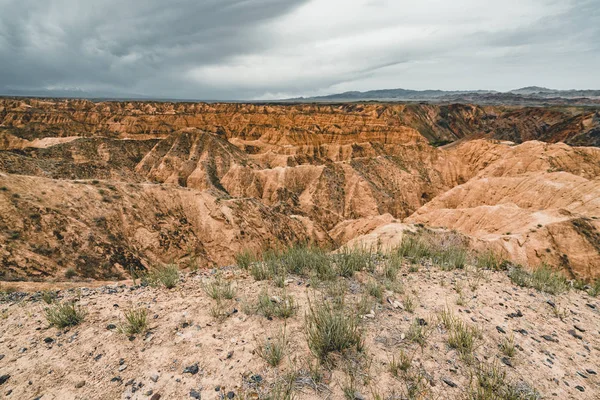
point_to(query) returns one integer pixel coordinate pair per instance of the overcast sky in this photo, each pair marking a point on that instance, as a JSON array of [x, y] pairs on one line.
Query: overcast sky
[[263, 49]]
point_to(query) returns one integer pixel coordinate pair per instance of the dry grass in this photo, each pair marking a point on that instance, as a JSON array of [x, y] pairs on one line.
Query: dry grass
[[219, 288], [400, 364], [332, 329], [273, 350], [166, 275], [543, 279], [62, 315], [507, 346], [136, 321]]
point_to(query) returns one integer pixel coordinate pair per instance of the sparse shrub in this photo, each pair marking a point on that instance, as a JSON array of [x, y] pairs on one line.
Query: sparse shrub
[[272, 351], [594, 289], [488, 260], [414, 248], [543, 279], [244, 259], [349, 261], [218, 312], [336, 290], [402, 364], [491, 384], [446, 249], [66, 314], [70, 273], [507, 346], [135, 321], [446, 318], [260, 271], [304, 259], [364, 305], [391, 268], [462, 338], [375, 289], [450, 258], [330, 329], [219, 288], [418, 332], [167, 275], [394, 286], [281, 307], [408, 303], [49, 296]]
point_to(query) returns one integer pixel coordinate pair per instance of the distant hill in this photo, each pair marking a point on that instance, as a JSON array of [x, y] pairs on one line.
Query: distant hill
[[531, 95]]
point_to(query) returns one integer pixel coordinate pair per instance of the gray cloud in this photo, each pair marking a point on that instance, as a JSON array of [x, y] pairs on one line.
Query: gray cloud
[[236, 49]]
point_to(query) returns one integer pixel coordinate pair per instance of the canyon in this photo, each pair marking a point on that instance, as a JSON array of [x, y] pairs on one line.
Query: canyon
[[110, 187]]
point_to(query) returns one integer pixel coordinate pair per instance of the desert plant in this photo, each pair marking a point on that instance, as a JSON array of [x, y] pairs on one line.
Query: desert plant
[[488, 260], [375, 289], [49, 296], [330, 329], [402, 364], [167, 275], [304, 259], [543, 279], [66, 314], [217, 311], [450, 257], [594, 289], [281, 307], [260, 271], [492, 384], [462, 337], [70, 273], [391, 268], [408, 303], [414, 248], [136, 321], [507, 346], [351, 260], [418, 332], [272, 351], [244, 259], [219, 288]]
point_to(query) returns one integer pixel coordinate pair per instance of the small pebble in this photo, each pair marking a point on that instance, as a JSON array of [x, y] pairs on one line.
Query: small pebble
[[449, 382], [4, 378], [192, 369]]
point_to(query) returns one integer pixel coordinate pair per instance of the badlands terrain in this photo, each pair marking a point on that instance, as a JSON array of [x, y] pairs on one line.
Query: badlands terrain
[[455, 250]]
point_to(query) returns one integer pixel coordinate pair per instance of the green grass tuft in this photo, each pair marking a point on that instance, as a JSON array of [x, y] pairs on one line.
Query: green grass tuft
[[136, 321], [543, 279], [62, 315], [332, 329]]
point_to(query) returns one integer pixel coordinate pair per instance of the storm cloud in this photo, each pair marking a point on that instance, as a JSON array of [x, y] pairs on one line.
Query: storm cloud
[[253, 49]]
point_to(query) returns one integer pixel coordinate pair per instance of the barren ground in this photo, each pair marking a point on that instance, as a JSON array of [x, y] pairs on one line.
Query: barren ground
[[557, 351]]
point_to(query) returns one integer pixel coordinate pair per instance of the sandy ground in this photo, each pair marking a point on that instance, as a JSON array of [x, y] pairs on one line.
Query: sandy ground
[[91, 361]]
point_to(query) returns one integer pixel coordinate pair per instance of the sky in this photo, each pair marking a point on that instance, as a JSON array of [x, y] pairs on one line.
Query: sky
[[269, 49]]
